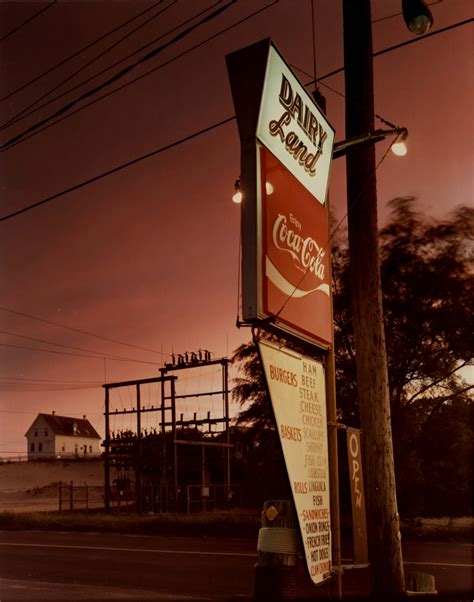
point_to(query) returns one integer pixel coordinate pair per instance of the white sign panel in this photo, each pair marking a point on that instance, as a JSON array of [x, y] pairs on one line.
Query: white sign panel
[[293, 128], [297, 389]]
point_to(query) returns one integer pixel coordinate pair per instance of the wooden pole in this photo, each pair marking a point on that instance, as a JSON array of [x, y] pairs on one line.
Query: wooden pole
[[385, 553], [107, 453], [138, 466]]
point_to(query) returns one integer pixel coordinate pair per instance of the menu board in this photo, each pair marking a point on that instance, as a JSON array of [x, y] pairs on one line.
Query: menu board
[[298, 394]]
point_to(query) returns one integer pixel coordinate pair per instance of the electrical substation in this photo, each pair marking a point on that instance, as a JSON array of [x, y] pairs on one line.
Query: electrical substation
[[169, 450]]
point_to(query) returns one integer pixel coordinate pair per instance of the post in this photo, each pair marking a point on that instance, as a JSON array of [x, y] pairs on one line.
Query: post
[[275, 571], [71, 495], [107, 453], [385, 554], [175, 448], [138, 457], [60, 491], [336, 585], [225, 388]]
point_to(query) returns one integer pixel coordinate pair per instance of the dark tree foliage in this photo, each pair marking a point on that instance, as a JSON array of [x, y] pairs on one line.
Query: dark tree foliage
[[427, 281]]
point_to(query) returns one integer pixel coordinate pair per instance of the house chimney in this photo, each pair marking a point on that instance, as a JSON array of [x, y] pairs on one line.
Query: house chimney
[[53, 413], [84, 417]]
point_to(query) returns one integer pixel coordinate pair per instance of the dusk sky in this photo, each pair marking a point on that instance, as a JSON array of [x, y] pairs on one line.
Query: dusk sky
[[149, 255]]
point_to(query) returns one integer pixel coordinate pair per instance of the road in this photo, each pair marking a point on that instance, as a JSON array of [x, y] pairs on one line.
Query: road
[[91, 566]]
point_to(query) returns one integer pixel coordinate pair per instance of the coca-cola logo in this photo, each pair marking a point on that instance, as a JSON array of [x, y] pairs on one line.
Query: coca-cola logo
[[307, 254]]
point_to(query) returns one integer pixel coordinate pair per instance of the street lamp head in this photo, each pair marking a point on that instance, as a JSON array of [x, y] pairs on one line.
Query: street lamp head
[[399, 147], [417, 16]]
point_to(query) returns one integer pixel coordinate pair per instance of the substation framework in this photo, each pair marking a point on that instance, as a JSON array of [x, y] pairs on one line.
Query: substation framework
[[128, 451]]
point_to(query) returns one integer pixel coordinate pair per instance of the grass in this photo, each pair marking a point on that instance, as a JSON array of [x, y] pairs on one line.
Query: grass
[[444, 528], [211, 524]]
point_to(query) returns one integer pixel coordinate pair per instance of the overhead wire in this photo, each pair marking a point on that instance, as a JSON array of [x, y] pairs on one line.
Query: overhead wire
[[78, 330], [116, 169], [34, 16], [122, 73], [50, 381], [96, 357], [77, 53], [191, 136], [99, 353], [398, 14], [94, 59], [400, 45], [7, 388], [101, 72], [158, 67]]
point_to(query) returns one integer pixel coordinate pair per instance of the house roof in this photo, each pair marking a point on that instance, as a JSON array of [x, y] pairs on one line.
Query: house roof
[[64, 425]]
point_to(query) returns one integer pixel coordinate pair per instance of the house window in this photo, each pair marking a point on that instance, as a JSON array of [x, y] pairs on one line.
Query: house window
[[90, 448], [32, 447], [63, 447], [40, 447], [36, 432], [46, 432]]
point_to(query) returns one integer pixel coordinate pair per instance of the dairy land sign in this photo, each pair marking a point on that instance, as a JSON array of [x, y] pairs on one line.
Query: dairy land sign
[[293, 128], [297, 390], [286, 155]]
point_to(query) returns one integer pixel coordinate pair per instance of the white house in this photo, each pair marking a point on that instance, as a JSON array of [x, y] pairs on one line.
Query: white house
[[52, 436]]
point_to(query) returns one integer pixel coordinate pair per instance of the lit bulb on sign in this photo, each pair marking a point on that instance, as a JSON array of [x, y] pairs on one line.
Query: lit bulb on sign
[[237, 197], [268, 188]]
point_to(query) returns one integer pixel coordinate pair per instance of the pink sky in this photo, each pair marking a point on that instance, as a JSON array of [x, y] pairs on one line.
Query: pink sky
[[149, 256]]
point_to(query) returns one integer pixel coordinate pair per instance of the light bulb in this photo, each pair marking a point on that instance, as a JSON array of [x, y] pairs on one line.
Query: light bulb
[[399, 148], [237, 197], [268, 188]]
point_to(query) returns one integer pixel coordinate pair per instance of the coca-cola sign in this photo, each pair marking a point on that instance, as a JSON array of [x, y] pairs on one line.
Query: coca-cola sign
[[292, 126], [295, 253], [286, 147]]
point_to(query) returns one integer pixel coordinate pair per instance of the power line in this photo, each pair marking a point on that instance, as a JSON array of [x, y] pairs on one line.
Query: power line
[[34, 16], [327, 75], [6, 388], [121, 73], [123, 86], [400, 45], [116, 169], [15, 119], [77, 53], [99, 353], [398, 14], [22, 116], [90, 334], [96, 357], [191, 136], [50, 381]]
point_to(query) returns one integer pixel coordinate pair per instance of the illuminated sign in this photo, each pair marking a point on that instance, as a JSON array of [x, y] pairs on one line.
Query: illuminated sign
[[297, 390], [294, 254], [286, 151], [292, 126]]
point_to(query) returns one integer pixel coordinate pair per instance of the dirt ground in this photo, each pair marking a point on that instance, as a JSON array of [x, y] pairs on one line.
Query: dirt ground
[[33, 486]]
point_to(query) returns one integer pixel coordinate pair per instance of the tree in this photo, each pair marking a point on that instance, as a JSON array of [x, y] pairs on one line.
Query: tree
[[427, 281]]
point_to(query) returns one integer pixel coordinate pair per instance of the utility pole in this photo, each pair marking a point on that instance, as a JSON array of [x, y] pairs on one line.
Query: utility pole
[[385, 554]]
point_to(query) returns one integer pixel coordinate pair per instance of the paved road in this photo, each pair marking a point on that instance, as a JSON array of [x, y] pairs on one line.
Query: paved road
[[90, 566]]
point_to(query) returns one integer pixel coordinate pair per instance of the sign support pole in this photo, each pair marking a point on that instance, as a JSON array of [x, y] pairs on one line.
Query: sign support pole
[[331, 405]]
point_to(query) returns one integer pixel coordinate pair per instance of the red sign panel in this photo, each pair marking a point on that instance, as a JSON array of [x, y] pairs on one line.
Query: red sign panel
[[295, 253]]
